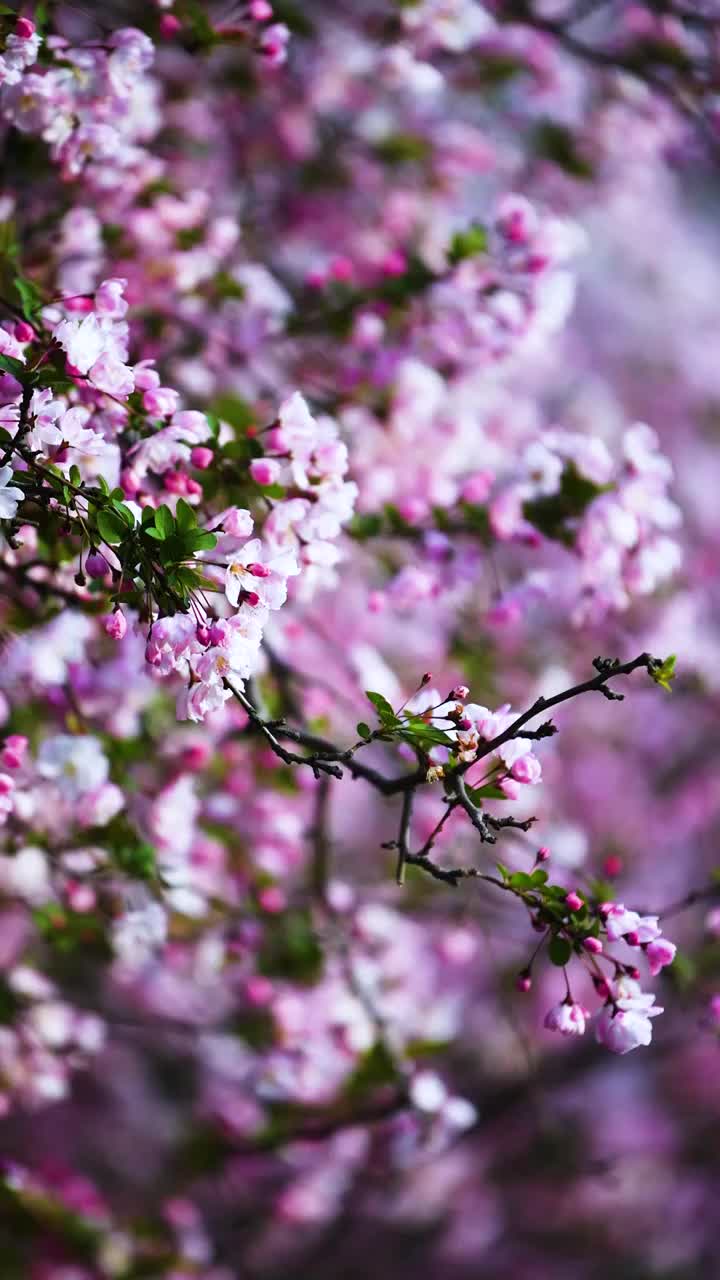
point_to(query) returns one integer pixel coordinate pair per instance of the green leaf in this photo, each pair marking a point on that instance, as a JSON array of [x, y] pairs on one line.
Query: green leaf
[[234, 410], [663, 672], [75, 476], [199, 540], [382, 706], [164, 522], [125, 514], [276, 491], [9, 247], [10, 365], [559, 951], [403, 148], [373, 1071], [488, 792], [363, 730], [426, 734], [185, 517], [30, 296], [111, 526], [558, 143], [520, 880], [467, 244], [137, 861], [556, 514], [292, 949]]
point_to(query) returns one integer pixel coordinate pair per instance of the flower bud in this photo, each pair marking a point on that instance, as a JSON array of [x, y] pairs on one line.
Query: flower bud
[[169, 25], [593, 945], [115, 624], [24, 332], [201, 457]]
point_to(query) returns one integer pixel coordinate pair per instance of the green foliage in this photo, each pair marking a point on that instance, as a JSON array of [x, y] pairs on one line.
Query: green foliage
[[663, 672], [137, 861], [468, 244], [556, 142], [556, 514], [31, 299], [403, 148], [291, 949], [487, 792], [417, 731], [373, 1071], [559, 950], [386, 715]]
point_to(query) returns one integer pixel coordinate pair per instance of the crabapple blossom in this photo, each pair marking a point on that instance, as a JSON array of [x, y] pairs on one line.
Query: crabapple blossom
[[339, 345], [568, 1018]]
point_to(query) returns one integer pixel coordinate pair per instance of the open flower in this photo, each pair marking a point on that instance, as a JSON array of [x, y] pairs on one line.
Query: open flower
[[10, 495]]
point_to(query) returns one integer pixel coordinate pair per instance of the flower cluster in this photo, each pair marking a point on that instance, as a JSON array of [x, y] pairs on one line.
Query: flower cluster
[[328, 340]]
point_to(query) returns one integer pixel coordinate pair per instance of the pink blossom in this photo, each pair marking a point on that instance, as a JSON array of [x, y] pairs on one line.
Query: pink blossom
[[660, 952], [568, 1018]]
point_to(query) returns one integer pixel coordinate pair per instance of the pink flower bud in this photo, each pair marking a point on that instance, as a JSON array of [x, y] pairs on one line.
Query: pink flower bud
[[130, 482], [264, 470], [169, 25], [13, 752], [459, 693], [175, 482], [316, 278], [252, 598], [542, 854], [593, 945], [201, 457], [258, 570], [574, 901], [523, 982], [465, 723], [259, 991], [476, 488], [202, 633], [7, 784], [260, 10], [272, 899], [24, 332], [427, 677], [632, 938], [24, 28], [115, 624], [342, 269], [658, 953], [80, 897], [192, 487], [394, 264], [80, 303], [613, 866]]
